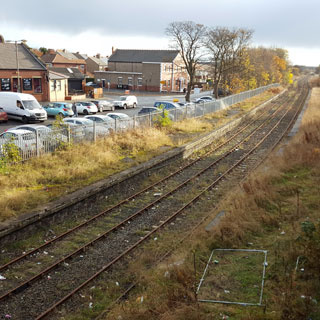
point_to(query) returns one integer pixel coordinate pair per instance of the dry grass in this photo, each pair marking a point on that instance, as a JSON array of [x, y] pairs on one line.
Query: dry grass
[[191, 125], [39, 180], [258, 212]]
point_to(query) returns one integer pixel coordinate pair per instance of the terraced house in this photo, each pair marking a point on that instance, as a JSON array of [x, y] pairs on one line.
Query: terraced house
[[22, 71], [147, 70]]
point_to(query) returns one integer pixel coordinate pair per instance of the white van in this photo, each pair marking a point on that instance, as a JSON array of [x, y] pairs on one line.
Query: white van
[[22, 106]]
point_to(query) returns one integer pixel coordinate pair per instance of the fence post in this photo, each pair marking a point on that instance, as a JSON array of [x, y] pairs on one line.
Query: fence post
[[37, 143], [134, 121], [115, 125], [94, 132], [150, 120], [69, 135]]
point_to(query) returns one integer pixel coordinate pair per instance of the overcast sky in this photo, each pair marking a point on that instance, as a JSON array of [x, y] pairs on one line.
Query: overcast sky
[[95, 26]]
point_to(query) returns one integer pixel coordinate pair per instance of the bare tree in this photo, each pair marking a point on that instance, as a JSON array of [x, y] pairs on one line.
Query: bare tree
[[226, 49], [187, 37]]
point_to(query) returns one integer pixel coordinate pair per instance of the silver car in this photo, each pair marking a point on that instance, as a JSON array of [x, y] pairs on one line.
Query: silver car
[[23, 139], [103, 105]]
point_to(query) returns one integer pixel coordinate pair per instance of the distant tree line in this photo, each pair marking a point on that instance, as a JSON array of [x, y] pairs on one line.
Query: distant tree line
[[234, 65]]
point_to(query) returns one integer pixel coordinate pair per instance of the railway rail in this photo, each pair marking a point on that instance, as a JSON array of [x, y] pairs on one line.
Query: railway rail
[[142, 211]]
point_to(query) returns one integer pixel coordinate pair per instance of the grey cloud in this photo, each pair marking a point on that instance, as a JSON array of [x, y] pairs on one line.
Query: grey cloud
[[285, 22]]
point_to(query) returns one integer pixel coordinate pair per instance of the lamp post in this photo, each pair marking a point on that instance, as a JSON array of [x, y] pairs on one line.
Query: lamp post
[[16, 42]]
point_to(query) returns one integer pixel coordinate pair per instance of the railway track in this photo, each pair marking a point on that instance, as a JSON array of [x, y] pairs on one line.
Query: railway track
[[141, 211]]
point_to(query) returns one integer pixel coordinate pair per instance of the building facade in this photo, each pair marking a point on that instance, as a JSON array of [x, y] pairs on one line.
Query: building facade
[[145, 70], [22, 71]]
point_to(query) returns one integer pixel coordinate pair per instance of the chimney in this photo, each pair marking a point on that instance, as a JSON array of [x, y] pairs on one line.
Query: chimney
[[51, 51], [113, 50], [98, 55]]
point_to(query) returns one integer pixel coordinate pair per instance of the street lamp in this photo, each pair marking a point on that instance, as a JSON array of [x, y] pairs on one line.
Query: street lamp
[[16, 42]]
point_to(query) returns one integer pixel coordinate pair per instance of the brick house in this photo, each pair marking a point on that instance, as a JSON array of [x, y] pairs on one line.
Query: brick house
[[28, 68], [147, 70], [54, 59]]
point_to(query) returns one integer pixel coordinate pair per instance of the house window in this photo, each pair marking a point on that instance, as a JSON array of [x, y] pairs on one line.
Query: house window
[[119, 81], [139, 82], [82, 67], [27, 84], [168, 83], [6, 84], [58, 84], [37, 87], [129, 81]]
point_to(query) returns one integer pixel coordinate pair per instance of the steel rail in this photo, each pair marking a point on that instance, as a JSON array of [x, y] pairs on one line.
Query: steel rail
[[192, 201], [28, 282]]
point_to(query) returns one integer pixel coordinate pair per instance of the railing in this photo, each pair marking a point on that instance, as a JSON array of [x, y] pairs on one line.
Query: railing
[[44, 141]]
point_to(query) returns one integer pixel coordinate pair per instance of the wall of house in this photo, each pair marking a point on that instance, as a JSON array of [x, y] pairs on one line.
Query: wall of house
[[60, 91], [35, 76], [125, 66], [92, 66]]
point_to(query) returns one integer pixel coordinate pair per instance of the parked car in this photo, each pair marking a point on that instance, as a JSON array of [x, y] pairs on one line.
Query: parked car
[[22, 106], [75, 131], [3, 116], [147, 110], [103, 105], [126, 102], [104, 120], [46, 137], [62, 109], [86, 107], [123, 121], [88, 126], [204, 99], [23, 139], [175, 111]]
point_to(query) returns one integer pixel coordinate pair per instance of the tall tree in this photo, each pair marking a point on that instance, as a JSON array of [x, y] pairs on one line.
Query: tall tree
[[188, 37], [227, 51]]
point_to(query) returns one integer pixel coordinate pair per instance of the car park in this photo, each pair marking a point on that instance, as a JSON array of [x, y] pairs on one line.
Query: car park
[[103, 105], [175, 111], [62, 109], [23, 139], [86, 107], [3, 116], [126, 102]]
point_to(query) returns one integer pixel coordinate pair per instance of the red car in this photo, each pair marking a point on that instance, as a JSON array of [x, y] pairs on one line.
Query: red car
[[3, 116]]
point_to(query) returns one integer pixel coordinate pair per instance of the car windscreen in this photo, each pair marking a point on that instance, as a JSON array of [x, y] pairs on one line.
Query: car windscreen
[[31, 104], [123, 98]]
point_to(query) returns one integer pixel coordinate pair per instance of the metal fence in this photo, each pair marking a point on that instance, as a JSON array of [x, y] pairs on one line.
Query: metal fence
[[41, 141]]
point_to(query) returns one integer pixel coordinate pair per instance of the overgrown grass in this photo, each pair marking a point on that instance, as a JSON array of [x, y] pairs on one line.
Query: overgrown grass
[[276, 209], [27, 185]]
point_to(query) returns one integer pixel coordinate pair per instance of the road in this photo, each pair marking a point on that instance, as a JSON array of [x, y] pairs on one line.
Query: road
[[143, 101]]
